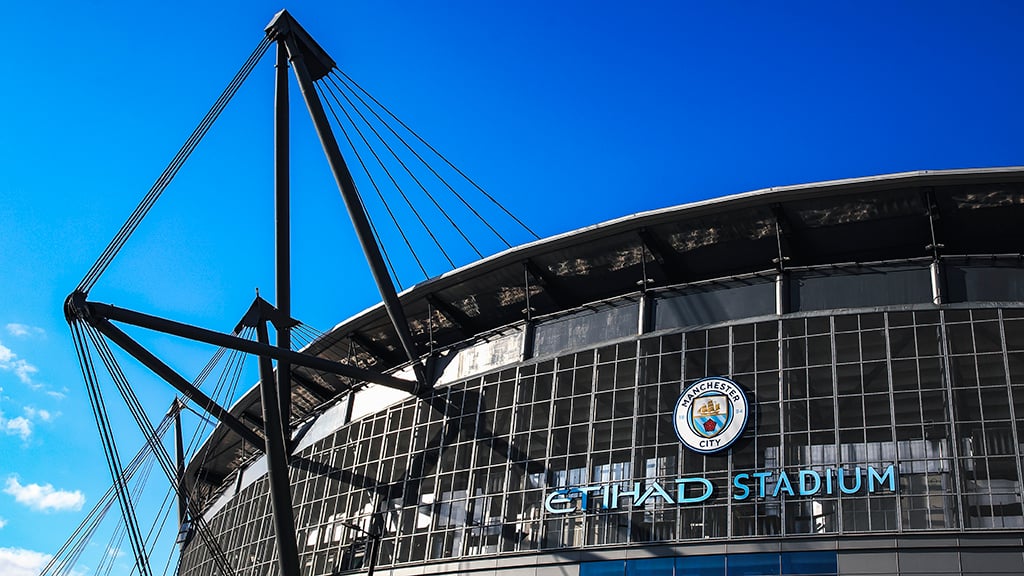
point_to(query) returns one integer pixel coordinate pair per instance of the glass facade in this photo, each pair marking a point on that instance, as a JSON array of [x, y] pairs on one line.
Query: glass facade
[[938, 394]]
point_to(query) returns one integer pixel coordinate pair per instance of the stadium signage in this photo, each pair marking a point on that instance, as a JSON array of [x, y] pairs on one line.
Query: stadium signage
[[694, 490], [711, 415]]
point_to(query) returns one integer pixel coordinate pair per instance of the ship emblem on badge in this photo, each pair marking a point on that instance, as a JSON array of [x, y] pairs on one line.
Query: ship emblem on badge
[[711, 414]]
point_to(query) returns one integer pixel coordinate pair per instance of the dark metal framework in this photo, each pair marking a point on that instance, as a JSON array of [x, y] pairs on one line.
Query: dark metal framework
[[309, 63]]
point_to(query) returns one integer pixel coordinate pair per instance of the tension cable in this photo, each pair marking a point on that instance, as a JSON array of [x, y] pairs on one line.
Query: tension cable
[[109, 447], [443, 212], [442, 158], [101, 264], [391, 177], [162, 457], [380, 195]]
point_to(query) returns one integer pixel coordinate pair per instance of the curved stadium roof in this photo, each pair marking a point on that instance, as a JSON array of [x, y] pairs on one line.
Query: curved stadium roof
[[890, 217]]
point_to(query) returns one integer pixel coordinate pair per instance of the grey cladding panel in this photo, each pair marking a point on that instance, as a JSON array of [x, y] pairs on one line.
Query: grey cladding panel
[[929, 562], [856, 563], [992, 561]]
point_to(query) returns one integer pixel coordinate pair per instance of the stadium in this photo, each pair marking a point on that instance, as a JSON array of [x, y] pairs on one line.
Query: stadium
[[862, 340], [820, 379]]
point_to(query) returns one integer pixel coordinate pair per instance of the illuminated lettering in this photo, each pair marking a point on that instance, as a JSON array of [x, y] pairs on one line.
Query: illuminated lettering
[[682, 482], [783, 484], [557, 497], [856, 486], [737, 482], [584, 492], [694, 490], [804, 475], [654, 489], [761, 476], [889, 473], [634, 494]]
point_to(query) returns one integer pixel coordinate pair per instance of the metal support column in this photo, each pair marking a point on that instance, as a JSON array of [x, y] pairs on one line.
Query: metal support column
[[529, 327], [936, 275], [781, 294], [282, 228], [782, 300], [277, 464], [179, 461], [934, 247], [645, 320], [356, 211]]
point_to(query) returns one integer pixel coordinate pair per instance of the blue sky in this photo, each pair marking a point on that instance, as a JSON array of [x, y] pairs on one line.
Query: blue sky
[[571, 113]]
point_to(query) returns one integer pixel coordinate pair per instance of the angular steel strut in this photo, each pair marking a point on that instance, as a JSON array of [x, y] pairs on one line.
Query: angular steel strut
[[310, 64]]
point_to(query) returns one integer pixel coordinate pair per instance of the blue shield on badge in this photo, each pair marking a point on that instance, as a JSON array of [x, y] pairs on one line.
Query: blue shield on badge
[[710, 415]]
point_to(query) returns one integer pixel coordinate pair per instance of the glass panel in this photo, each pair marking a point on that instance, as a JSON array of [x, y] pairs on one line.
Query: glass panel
[[567, 421], [586, 328], [714, 303], [753, 565], [984, 283], [700, 565], [859, 286], [608, 568], [650, 567], [816, 563]]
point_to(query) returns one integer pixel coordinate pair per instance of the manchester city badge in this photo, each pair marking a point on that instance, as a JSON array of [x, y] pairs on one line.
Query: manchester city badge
[[711, 414]]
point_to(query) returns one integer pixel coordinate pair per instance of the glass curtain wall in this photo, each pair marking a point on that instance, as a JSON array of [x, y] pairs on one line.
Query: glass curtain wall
[[938, 395]]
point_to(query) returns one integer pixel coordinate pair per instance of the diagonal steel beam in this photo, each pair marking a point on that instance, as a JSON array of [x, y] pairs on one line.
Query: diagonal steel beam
[[323, 393], [671, 262], [179, 466], [548, 282], [379, 352], [177, 381], [97, 312], [466, 325], [286, 30]]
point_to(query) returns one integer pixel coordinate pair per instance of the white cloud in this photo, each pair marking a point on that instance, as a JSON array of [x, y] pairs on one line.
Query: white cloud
[[9, 362], [24, 330], [44, 415], [20, 426], [23, 426], [3, 522], [21, 562], [44, 498]]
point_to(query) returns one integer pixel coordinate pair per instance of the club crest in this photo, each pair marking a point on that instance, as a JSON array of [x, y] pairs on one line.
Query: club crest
[[711, 414]]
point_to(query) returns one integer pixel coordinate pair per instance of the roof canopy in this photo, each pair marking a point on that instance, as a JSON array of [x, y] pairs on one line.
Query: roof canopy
[[891, 217]]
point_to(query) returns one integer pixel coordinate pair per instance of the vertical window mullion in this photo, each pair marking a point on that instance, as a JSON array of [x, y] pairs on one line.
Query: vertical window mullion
[[954, 434]]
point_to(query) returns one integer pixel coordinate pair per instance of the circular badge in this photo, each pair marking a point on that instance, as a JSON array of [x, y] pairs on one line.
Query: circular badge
[[710, 414]]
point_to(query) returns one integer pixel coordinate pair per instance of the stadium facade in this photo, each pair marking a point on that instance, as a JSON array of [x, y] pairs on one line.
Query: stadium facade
[[862, 341]]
